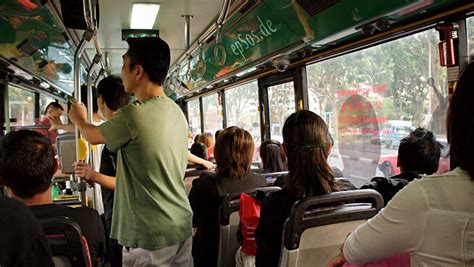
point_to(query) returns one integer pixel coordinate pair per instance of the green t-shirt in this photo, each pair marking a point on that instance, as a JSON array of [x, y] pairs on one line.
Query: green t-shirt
[[151, 209]]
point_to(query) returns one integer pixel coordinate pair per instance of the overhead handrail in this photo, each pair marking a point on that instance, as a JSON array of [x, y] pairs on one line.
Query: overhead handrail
[[221, 57]]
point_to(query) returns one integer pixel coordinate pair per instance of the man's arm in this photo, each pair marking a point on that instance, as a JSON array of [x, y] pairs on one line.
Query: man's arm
[[78, 116], [197, 160]]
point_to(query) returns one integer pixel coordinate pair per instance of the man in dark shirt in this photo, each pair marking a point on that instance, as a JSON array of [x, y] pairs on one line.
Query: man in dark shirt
[[418, 154], [26, 165], [111, 97], [22, 240]]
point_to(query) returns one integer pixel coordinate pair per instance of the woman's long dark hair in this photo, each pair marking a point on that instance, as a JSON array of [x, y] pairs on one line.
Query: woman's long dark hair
[[460, 121], [234, 152], [272, 156], [306, 139]]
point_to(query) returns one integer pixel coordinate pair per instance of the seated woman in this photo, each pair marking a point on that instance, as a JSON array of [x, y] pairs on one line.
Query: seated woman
[[306, 142], [431, 218], [273, 158], [208, 140], [233, 153]]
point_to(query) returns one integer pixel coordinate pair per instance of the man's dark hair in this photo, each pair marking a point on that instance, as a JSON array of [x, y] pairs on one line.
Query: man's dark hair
[[460, 122], [111, 90], [53, 105], [153, 54], [26, 163], [95, 107], [419, 152]]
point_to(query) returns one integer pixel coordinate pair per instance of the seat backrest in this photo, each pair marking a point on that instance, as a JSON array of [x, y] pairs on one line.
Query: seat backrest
[[317, 226], [272, 176], [66, 147], [68, 245], [229, 220]]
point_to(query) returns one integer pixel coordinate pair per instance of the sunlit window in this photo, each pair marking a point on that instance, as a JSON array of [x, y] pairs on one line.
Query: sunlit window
[[242, 109], [194, 117], [373, 98], [22, 106], [470, 34], [212, 113], [281, 99]]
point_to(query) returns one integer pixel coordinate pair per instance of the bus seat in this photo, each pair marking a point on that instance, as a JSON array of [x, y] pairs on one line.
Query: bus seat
[[68, 245], [313, 234], [66, 147], [272, 176], [229, 220]]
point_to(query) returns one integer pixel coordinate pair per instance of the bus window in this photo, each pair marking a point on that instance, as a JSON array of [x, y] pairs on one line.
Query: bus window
[[374, 97], [22, 106], [281, 99], [470, 35], [194, 117], [212, 113], [242, 109]]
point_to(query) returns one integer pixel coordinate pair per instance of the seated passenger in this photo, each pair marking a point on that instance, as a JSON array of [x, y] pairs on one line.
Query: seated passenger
[[22, 240], [273, 159], [208, 140], [306, 142], [199, 150], [431, 218], [27, 165], [418, 154], [234, 153]]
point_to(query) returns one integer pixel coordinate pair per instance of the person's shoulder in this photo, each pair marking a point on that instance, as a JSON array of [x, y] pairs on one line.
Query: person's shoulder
[[278, 196], [205, 179], [10, 207]]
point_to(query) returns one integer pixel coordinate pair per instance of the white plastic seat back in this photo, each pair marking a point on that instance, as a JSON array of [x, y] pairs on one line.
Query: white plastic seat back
[[317, 226]]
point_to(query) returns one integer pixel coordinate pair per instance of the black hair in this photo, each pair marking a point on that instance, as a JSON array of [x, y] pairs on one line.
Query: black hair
[[272, 156], [216, 134], [112, 91], [419, 152], [53, 105], [95, 107], [153, 54], [199, 150], [460, 121], [305, 137], [26, 163]]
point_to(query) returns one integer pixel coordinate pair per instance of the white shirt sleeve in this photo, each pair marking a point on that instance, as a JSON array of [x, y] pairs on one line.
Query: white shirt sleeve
[[395, 229]]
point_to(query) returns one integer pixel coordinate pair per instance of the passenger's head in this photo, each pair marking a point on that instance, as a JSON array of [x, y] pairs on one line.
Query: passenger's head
[[273, 158], [216, 134], [307, 144], [460, 121], [111, 95], [26, 163], [207, 139], [147, 60], [53, 109], [234, 152], [419, 152], [199, 150], [196, 138]]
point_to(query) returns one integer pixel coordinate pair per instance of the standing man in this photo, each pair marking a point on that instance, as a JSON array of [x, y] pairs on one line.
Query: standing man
[[52, 112], [152, 216]]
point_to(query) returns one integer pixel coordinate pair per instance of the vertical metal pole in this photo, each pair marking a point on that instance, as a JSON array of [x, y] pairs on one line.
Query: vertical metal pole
[[187, 30], [4, 105], [201, 114], [37, 114]]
